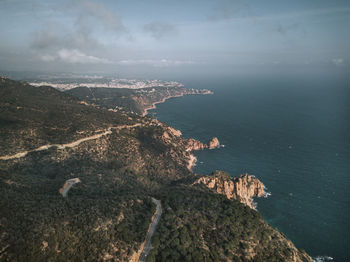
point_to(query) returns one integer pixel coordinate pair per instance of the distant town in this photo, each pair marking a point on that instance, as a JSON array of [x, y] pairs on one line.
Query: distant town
[[64, 84]]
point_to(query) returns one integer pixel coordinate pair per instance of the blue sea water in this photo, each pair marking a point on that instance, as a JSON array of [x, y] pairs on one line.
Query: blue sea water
[[293, 133]]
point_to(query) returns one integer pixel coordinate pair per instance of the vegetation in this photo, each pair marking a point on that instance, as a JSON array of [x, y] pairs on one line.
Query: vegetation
[[106, 216], [32, 116], [132, 100], [201, 226]]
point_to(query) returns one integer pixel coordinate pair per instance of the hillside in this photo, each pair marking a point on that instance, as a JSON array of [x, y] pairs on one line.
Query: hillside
[[33, 116], [107, 214], [130, 99]]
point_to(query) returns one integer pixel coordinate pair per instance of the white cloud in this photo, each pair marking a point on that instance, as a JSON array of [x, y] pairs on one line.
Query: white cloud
[[157, 63], [74, 56], [338, 61]]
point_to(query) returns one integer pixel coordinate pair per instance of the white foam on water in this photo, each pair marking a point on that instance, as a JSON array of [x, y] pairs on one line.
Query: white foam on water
[[267, 194], [322, 259]]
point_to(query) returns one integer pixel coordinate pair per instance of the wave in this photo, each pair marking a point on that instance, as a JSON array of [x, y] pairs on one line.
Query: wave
[[323, 259], [267, 194]]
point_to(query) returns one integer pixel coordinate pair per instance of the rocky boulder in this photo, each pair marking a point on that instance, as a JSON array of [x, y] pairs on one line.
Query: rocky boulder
[[213, 143]]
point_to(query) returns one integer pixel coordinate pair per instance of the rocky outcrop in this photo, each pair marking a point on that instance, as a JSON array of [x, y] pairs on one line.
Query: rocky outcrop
[[242, 188], [170, 132], [213, 143], [174, 131], [195, 145]]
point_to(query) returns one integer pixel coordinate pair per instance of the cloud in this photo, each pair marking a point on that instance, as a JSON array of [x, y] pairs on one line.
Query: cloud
[[227, 9], [284, 29], [101, 13], [55, 36], [47, 58], [74, 56], [80, 34], [157, 63], [242, 10], [45, 38], [338, 61], [159, 29]]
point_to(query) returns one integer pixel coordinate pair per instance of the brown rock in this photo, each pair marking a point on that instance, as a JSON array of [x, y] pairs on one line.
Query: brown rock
[[170, 132], [174, 131], [194, 145], [242, 188], [213, 143], [166, 135]]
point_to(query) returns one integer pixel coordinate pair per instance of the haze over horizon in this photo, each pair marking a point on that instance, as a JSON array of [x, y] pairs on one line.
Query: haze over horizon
[[155, 38]]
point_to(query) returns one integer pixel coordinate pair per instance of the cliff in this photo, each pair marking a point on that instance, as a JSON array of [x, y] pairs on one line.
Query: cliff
[[195, 145], [243, 188]]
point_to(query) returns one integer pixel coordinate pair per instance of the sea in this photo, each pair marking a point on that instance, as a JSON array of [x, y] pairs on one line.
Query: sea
[[290, 131]]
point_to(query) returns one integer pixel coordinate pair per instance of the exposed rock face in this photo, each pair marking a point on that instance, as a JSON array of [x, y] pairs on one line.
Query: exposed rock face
[[213, 143], [174, 131], [170, 133], [242, 188], [194, 145]]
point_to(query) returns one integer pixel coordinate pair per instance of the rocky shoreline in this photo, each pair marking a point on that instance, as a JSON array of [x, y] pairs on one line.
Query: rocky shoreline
[[191, 92], [153, 106], [243, 188]]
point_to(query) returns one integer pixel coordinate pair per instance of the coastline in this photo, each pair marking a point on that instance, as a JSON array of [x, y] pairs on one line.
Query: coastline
[[192, 92], [153, 106]]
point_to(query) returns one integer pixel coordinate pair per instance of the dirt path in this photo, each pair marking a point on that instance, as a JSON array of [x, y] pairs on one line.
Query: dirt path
[[69, 145]]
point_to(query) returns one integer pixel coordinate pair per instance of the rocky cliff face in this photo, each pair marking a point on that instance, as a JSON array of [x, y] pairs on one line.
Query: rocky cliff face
[[190, 143], [213, 143], [242, 188], [171, 132], [195, 145]]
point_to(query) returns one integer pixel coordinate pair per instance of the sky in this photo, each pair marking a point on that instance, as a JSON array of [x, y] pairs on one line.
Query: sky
[[155, 37]]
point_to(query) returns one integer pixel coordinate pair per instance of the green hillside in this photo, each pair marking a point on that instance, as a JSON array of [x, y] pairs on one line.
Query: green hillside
[[107, 215]]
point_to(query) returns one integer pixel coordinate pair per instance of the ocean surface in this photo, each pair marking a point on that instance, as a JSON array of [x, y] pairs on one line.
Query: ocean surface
[[293, 133]]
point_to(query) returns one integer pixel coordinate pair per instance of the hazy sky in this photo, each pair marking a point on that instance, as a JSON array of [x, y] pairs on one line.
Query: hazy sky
[[132, 36]]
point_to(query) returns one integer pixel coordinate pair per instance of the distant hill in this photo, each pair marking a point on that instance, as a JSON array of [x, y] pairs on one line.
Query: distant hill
[[106, 215]]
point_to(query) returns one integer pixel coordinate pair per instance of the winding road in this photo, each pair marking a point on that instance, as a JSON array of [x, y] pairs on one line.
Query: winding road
[[69, 145], [152, 228]]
